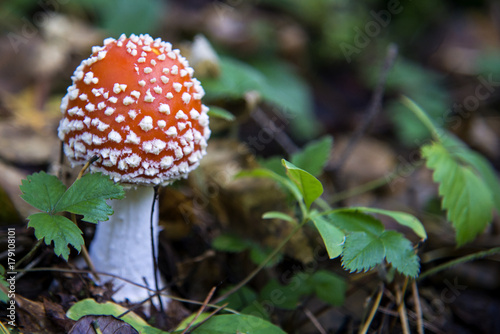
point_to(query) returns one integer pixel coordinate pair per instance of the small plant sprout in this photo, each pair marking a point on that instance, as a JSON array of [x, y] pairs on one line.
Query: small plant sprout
[[135, 104]]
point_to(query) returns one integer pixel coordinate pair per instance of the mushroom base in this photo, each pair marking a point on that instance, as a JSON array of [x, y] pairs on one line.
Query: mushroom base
[[122, 246]]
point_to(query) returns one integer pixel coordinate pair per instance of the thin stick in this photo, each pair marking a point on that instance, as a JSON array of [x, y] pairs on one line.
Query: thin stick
[[200, 311], [402, 311], [374, 309], [314, 321], [153, 249], [279, 135], [418, 307], [209, 316], [374, 108]]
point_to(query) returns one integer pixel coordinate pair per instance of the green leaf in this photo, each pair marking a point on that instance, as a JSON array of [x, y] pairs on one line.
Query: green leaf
[[186, 321], [237, 323], [328, 287], [314, 156], [352, 220], [285, 89], [331, 235], [91, 307], [402, 218], [221, 113], [59, 229], [230, 243], [465, 196], [236, 78], [42, 191], [87, 196], [286, 296], [309, 186], [400, 254], [484, 168], [283, 181], [362, 252], [279, 215], [240, 299], [258, 254]]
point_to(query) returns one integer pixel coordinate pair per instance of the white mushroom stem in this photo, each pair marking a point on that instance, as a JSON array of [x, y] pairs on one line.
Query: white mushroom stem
[[122, 245]]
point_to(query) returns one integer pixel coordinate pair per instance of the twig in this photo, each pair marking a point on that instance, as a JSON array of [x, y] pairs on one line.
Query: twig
[[418, 307], [314, 321], [402, 310], [374, 309], [200, 311], [279, 135], [374, 108], [209, 316]]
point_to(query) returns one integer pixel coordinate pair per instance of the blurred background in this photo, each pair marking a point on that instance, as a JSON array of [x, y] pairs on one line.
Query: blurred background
[[308, 68]]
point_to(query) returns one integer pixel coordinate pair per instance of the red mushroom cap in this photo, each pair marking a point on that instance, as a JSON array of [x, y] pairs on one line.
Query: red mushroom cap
[[135, 104]]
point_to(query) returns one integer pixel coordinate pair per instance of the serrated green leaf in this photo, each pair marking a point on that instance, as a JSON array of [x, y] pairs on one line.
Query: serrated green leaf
[[91, 307], [279, 215], [402, 218], [362, 252], [352, 220], [465, 196], [237, 323], [309, 186], [400, 254], [87, 196], [328, 287], [221, 113], [484, 168], [333, 237], [230, 243], [314, 156], [57, 229], [42, 191]]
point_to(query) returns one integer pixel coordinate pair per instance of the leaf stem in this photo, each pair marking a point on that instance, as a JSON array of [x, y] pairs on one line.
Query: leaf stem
[[423, 117], [460, 260], [30, 253], [263, 263]]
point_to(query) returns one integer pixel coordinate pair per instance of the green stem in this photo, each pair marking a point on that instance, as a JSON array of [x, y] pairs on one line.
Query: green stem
[[460, 260], [30, 253], [423, 117], [263, 263]]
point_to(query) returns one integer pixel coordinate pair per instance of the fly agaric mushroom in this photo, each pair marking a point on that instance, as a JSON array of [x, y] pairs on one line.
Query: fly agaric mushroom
[[135, 105]]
